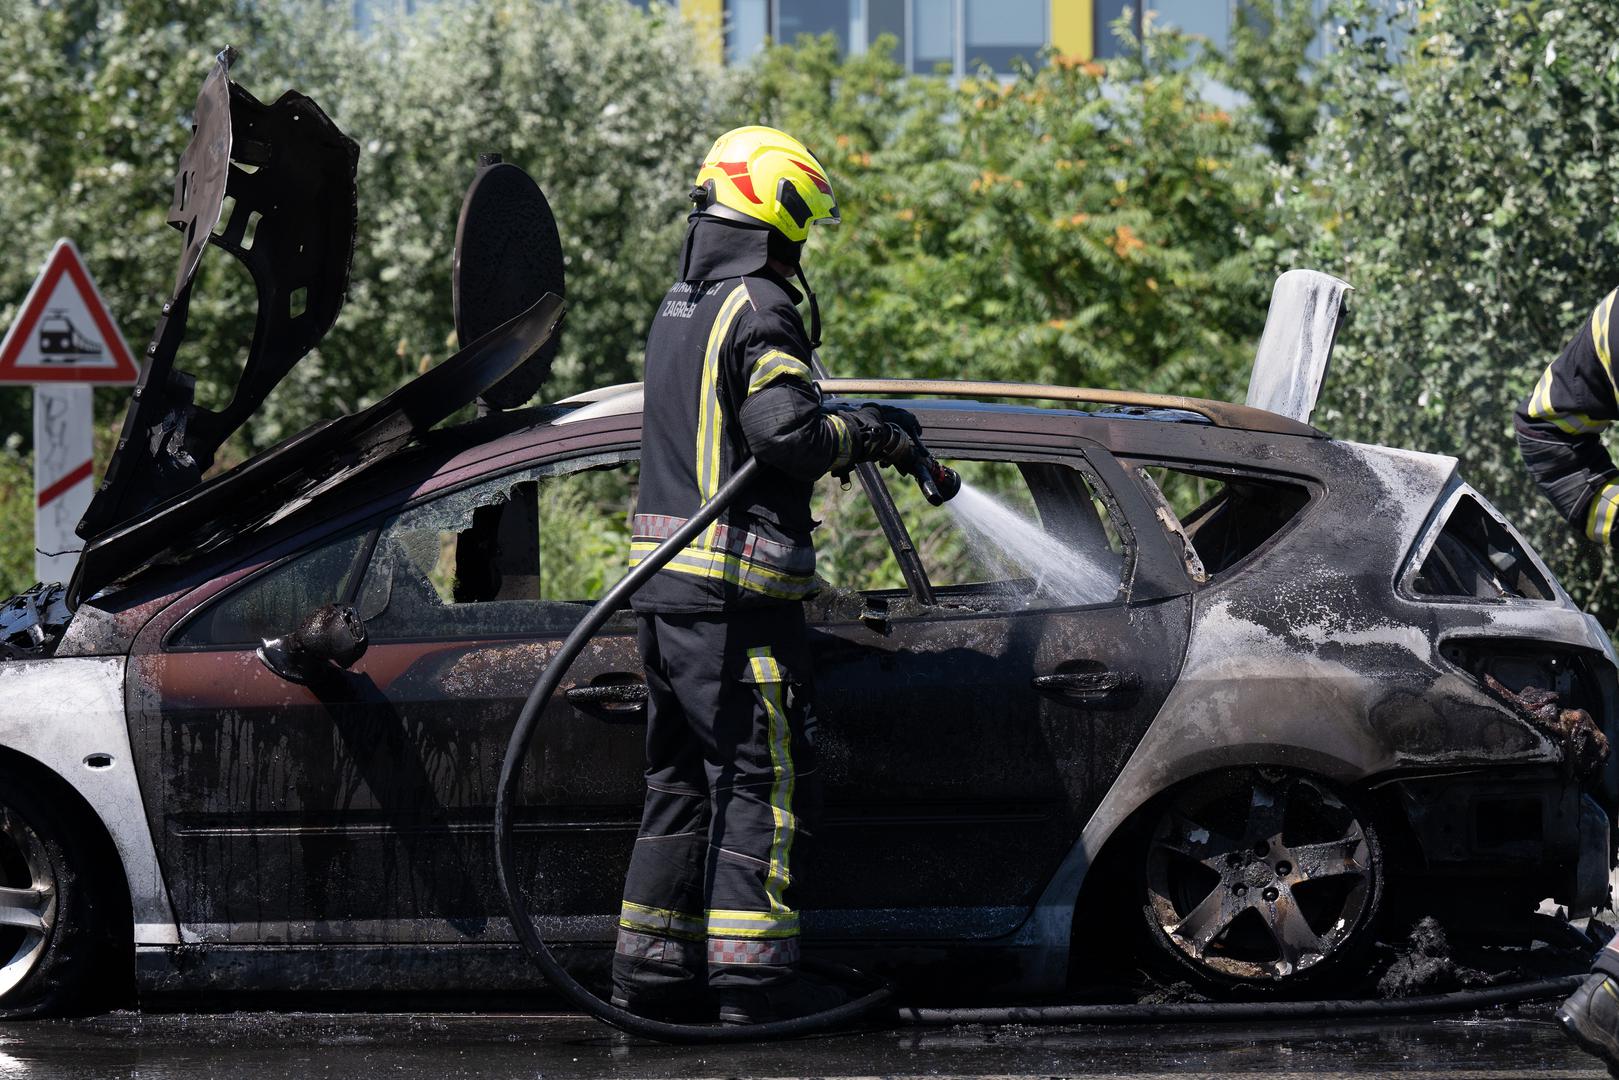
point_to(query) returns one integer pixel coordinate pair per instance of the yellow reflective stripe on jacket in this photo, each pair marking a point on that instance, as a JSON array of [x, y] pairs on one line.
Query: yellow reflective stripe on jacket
[[655, 920], [1600, 319], [710, 417], [772, 366], [1599, 519], [736, 569], [752, 924], [1541, 408], [767, 674], [844, 449]]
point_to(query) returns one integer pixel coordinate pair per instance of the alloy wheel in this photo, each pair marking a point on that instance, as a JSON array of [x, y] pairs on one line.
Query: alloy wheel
[[27, 900], [1260, 875]]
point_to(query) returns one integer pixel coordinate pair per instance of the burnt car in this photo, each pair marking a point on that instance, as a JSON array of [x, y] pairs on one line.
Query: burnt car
[[1183, 676]]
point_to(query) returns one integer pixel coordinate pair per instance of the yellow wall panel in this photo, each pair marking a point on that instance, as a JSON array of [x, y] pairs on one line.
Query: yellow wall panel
[[708, 19], [1073, 25]]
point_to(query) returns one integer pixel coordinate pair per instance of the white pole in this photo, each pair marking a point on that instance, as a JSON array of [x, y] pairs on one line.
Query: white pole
[[63, 475]]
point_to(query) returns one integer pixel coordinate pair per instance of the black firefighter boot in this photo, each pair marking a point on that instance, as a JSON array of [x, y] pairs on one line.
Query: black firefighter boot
[[1591, 1018], [800, 996]]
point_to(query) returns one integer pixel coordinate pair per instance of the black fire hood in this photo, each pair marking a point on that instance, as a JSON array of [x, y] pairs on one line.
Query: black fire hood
[[716, 249]]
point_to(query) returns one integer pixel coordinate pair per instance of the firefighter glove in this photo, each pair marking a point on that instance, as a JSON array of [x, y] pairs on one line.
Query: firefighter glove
[[883, 432]]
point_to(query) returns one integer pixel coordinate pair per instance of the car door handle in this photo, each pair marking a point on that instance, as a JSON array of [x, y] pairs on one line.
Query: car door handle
[[1085, 686], [614, 699]]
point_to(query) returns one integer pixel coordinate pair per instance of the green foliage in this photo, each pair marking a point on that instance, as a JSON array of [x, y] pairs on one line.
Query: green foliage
[[1466, 188], [16, 523], [584, 535], [1268, 61], [95, 111], [1077, 224]]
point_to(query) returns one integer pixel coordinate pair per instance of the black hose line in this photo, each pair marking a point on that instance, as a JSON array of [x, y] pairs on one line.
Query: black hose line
[[1228, 1011], [868, 1004], [511, 769]]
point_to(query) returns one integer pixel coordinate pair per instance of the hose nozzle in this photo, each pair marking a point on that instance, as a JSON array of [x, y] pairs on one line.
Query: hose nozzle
[[939, 483]]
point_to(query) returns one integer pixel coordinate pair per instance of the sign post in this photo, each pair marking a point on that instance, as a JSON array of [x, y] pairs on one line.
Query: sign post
[[64, 342]]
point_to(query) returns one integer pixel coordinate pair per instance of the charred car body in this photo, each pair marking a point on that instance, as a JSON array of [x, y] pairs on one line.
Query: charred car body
[[1314, 681]]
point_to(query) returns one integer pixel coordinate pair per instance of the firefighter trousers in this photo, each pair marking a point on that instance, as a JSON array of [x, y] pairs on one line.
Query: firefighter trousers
[[731, 780]]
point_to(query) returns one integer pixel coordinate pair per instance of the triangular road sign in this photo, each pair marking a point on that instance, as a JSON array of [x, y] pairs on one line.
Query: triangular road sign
[[65, 333]]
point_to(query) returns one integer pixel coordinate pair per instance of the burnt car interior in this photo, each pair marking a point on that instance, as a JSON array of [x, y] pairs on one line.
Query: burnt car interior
[[1224, 516], [529, 552], [1475, 556]]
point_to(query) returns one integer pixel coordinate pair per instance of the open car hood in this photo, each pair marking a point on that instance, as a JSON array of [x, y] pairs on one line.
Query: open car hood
[[289, 173]]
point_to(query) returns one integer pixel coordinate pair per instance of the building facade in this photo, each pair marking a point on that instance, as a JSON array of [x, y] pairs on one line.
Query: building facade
[[952, 36]]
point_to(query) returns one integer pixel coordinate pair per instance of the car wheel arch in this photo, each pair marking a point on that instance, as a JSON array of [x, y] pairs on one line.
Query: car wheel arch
[[111, 874], [1106, 891]]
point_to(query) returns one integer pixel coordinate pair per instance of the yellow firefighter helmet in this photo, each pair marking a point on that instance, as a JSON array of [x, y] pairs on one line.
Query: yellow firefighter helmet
[[764, 175]]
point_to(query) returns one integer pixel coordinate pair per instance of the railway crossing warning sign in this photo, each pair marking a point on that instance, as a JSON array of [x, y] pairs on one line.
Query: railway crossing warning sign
[[64, 332], [63, 342]]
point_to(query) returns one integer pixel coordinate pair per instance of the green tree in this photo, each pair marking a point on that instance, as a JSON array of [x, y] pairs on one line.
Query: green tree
[[1269, 61], [95, 111], [1076, 224], [1464, 184]]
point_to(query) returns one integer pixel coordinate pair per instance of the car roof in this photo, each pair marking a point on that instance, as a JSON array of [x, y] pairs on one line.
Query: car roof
[[625, 398]]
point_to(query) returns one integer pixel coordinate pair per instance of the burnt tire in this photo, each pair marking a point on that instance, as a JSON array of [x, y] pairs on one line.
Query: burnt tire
[[58, 954], [1261, 880]]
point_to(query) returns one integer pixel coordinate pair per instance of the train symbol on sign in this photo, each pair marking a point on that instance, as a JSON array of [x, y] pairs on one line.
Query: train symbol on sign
[[61, 342]]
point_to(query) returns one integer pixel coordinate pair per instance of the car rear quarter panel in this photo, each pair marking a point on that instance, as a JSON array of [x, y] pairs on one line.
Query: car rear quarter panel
[[1305, 655]]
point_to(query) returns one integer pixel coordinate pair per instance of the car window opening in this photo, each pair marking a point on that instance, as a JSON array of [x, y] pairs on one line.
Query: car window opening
[[1068, 533], [525, 553], [271, 604], [1476, 556], [1220, 519]]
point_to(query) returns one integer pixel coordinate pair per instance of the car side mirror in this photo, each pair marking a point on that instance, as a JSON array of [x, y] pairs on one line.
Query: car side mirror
[[331, 637]]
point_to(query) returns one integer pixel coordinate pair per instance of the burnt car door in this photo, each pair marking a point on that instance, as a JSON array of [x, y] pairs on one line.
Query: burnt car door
[[966, 741], [357, 810]]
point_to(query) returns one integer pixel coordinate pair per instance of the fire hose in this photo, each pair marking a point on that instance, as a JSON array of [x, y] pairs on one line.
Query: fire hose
[[927, 473]]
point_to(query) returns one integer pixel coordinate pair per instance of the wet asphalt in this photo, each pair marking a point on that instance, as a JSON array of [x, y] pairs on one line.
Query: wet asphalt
[[1505, 1043]]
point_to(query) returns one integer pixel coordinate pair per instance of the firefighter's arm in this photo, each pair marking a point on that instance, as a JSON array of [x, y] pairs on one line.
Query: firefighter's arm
[[1560, 424], [783, 419]]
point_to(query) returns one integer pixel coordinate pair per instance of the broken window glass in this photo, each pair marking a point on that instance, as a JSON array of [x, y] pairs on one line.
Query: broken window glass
[[1224, 516], [273, 603], [527, 553], [1476, 556]]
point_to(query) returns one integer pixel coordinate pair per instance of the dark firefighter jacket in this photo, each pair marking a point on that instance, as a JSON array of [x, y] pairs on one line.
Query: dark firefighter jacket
[[727, 376], [1560, 428]]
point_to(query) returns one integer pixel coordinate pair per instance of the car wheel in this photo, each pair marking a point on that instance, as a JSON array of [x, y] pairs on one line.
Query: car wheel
[[50, 939], [1261, 878]]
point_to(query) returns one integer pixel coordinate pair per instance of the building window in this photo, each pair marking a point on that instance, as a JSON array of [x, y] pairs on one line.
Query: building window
[[747, 25], [1001, 32], [813, 17], [933, 35], [954, 36], [1107, 12], [1209, 19], [1214, 20], [886, 17]]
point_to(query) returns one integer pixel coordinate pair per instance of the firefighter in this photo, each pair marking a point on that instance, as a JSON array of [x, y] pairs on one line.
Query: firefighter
[[1559, 429], [709, 918]]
